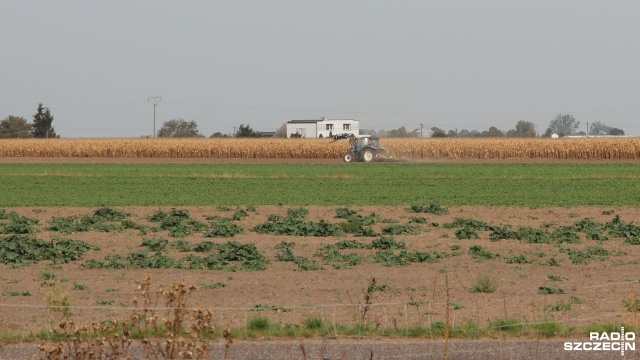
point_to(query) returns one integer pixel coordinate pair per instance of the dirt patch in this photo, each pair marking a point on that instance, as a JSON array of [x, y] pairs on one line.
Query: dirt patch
[[413, 294]]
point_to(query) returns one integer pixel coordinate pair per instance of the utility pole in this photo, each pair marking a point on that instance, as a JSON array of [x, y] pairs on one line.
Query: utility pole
[[421, 126], [155, 100], [587, 129]]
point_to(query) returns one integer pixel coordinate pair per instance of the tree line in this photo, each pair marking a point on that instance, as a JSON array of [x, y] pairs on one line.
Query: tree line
[[183, 128], [561, 124], [17, 127]]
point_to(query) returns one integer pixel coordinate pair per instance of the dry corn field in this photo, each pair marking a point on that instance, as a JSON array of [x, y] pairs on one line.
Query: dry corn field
[[277, 148]]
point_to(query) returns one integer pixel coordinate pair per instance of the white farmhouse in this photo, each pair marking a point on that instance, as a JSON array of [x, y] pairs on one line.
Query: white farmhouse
[[322, 127]]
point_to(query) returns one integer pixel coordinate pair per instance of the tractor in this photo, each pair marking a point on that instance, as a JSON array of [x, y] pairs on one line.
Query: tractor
[[363, 148]]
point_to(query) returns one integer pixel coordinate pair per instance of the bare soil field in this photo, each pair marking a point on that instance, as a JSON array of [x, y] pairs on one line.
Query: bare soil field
[[411, 295]]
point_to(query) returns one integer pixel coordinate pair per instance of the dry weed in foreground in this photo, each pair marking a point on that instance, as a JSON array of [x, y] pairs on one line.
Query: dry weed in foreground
[[176, 332]]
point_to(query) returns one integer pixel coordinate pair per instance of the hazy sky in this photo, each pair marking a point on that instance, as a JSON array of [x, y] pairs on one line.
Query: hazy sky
[[451, 64]]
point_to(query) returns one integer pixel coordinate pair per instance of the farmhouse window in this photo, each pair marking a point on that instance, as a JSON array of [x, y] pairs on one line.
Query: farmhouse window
[[329, 127], [346, 126]]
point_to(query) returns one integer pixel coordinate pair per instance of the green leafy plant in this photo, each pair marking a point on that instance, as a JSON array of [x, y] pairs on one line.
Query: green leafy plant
[[285, 253], [431, 209], [386, 243], [555, 277], [549, 290], [484, 284], [519, 259], [466, 233], [77, 286], [239, 214], [177, 222], [224, 229], [579, 257], [305, 264], [558, 306], [105, 302], [478, 252], [397, 229], [18, 225], [469, 223], [565, 235], [632, 304], [216, 285], [231, 255], [332, 254], [16, 293], [356, 225], [155, 244], [632, 240], [107, 213], [295, 224], [23, 249]]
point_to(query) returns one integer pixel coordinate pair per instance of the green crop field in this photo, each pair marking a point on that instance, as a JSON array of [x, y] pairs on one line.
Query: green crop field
[[531, 184]]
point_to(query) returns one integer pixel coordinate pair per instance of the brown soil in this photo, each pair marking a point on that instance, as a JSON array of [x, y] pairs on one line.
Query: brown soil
[[338, 295]]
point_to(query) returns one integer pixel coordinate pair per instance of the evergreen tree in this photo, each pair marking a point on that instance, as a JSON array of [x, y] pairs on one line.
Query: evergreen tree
[[247, 131], [42, 123]]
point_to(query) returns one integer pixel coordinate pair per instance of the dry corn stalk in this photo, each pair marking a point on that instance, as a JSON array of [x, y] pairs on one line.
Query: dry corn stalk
[[278, 148]]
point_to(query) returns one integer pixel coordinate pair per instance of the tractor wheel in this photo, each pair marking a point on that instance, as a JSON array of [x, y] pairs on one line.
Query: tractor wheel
[[367, 155], [349, 157]]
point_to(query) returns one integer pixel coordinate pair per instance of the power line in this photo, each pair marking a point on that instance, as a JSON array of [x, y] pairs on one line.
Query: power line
[[244, 107], [54, 107], [333, 111]]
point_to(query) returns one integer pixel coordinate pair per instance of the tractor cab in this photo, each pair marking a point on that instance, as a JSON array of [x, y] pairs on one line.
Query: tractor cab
[[362, 143]]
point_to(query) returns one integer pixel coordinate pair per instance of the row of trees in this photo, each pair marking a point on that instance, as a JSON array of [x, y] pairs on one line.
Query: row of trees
[[522, 129], [17, 127], [566, 124], [561, 124], [183, 128]]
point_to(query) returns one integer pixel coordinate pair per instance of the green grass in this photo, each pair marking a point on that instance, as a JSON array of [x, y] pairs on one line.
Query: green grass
[[519, 184]]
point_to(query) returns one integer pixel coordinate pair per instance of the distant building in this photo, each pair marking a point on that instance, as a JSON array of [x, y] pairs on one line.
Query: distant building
[[322, 127], [267, 133]]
